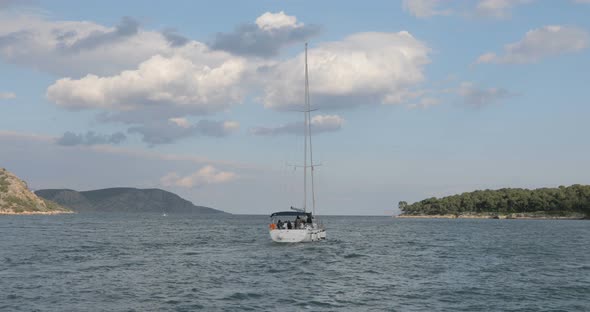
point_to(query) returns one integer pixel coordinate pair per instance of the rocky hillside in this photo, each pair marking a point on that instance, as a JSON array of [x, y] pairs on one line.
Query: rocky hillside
[[16, 198], [124, 199]]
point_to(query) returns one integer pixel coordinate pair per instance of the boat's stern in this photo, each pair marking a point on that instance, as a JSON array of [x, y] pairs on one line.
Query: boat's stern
[[302, 229], [290, 236]]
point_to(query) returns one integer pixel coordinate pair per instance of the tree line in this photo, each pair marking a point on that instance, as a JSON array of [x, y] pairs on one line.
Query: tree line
[[575, 198]]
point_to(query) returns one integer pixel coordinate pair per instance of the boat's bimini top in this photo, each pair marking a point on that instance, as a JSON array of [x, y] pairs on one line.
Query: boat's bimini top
[[290, 214]]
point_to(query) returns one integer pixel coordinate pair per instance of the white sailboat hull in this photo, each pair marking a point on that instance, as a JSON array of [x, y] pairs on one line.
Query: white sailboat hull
[[298, 235]]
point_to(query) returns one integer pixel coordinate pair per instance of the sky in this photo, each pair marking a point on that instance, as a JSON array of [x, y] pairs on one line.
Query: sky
[[414, 99]]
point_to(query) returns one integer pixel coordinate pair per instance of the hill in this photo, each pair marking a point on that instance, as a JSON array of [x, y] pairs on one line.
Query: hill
[[562, 202], [124, 199], [16, 198]]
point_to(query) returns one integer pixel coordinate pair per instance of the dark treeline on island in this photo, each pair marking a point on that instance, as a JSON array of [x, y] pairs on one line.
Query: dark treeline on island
[[544, 202]]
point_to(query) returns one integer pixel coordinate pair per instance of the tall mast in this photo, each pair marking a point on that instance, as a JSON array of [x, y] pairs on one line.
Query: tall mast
[[308, 108], [306, 129]]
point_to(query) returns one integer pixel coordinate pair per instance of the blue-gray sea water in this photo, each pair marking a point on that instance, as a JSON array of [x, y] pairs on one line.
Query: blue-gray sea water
[[185, 263]]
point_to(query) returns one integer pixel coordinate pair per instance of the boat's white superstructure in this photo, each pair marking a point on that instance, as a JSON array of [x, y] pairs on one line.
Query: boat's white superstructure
[[298, 235], [299, 225]]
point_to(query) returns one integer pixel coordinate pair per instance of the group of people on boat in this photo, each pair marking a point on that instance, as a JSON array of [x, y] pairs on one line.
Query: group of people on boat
[[299, 223]]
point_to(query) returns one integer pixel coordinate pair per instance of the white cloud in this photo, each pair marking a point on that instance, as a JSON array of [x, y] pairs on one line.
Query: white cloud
[[540, 43], [204, 176], [476, 97], [424, 8], [230, 126], [181, 122], [266, 37], [319, 124], [325, 122], [129, 74], [268, 21], [482, 8], [173, 82], [7, 95], [363, 69], [486, 58], [132, 75], [76, 48], [497, 8]]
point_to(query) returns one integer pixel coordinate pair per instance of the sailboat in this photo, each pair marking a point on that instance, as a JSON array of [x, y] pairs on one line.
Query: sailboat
[[299, 224]]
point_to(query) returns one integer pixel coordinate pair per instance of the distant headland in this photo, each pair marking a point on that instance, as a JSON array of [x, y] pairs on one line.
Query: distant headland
[[16, 198], [125, 200], [571, 202]]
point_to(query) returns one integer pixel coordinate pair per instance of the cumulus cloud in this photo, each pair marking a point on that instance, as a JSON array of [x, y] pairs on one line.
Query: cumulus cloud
[[265, 37], [90, 138], [204, 176], [145, 78], [362, 69], [138, 76], [174, 38], [424, 8], [174, 129], [7, 95], [540, 43], [476, 97], [127, 27], [269, 21], [173, 82], [319, 124], [76, 48]]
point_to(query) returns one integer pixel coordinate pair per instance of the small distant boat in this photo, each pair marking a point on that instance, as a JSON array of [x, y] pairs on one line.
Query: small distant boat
[[164, 214], [299, 225]]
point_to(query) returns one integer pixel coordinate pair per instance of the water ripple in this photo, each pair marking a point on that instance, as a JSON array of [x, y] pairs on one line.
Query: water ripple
[[179, 263]]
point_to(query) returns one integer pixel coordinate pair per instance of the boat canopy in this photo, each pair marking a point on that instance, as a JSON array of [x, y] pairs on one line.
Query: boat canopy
[[290, 214]]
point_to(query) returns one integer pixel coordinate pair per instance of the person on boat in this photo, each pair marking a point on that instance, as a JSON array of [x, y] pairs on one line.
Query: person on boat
[[289, 225], [297, 222], [279, 224], [309, 219]]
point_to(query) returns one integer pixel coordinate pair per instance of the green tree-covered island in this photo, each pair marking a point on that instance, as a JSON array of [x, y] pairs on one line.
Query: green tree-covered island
[[571, 202]]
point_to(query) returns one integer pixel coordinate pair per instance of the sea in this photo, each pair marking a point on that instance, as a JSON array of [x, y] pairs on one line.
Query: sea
[[150, 262]]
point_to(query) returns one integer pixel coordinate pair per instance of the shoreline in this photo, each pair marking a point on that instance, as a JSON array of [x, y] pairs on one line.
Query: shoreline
[[502, 217], [29, 213]]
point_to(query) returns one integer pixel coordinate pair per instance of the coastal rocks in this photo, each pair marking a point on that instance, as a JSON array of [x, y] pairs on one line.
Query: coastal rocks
[[16, 198]]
